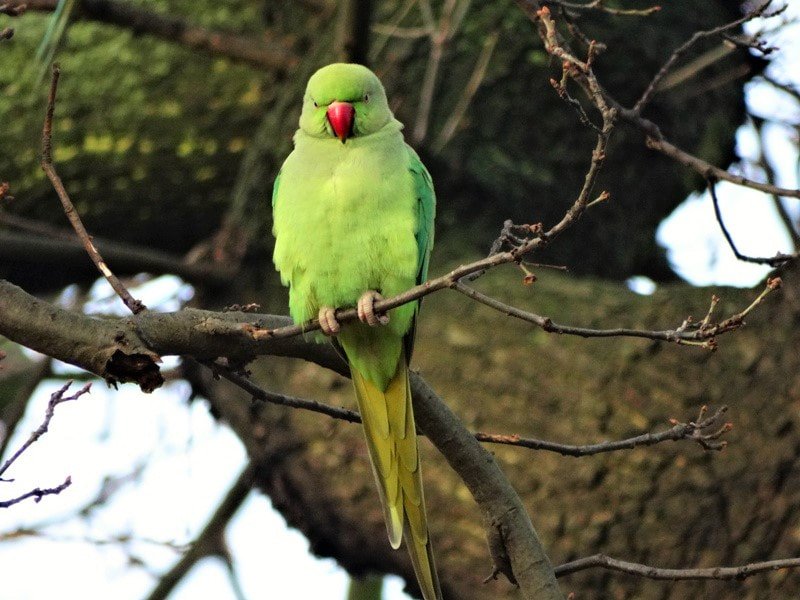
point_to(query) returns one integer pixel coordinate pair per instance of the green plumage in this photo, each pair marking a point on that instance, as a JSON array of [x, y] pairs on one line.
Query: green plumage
[[348, 218]]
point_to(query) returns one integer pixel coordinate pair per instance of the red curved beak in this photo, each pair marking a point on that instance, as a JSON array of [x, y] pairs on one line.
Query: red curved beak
[[340, 116]]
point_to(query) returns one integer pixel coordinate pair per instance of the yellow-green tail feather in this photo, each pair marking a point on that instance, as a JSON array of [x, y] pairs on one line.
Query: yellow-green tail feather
[[392, 441]]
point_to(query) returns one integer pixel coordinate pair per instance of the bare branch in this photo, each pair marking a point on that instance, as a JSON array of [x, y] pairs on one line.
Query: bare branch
[[134, 305], [438, 37], [778, 260], [263, 395], [654, 137], [38, 493], [127, 258], [703, 334], [703, 167], [783, 214], [784, 87], [652, 87], [721, 573], [600, 6], [706, 431], [56, 398]]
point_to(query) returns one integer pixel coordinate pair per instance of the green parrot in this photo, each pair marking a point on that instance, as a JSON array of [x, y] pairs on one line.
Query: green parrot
[[353, 210]]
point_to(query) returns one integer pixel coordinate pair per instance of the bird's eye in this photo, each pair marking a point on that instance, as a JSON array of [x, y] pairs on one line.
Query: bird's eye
[[315, 104], [366, 97]]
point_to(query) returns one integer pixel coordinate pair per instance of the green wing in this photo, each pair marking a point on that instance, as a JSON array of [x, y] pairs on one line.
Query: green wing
[[426, 205], [426, 210], [275, 188]]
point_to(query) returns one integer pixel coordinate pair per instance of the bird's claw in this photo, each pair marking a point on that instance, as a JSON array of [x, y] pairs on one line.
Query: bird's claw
[[366, 309], [327, 321]]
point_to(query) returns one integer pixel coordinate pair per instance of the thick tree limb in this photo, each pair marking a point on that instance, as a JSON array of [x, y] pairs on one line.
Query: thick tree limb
[[127, 258], [106, 346]]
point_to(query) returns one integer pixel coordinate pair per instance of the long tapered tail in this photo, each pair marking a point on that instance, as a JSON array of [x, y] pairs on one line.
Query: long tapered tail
[[392, 441]]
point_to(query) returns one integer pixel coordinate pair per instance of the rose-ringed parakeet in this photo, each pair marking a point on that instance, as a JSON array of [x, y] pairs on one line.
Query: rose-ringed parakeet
[[353, 210]]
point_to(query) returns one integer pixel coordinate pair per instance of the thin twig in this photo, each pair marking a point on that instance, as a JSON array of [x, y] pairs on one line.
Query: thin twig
[[693, 430], [724, 573], [683, 48], [784, 87], [778, 260], [133, 304], [783, 214], [600, 6], [438, 37], [263, 395], [654, 138], [696, 431], [38, 493], [56, 398], [703, 335]]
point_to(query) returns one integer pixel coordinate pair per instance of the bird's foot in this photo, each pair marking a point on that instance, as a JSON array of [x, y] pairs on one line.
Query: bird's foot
[[327, 321], [366, 309]]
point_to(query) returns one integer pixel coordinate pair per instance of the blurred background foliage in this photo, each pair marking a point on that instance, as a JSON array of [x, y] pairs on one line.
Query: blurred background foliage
[[159, 144]]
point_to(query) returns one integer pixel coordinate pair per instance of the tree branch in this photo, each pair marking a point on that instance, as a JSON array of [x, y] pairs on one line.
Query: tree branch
[[778, 260], [56, 398], [38, 493], [654, 138], [721, 573], [688, 333], [127, 258], [133, 304], [697, 431], [652, 87], [693, 430]]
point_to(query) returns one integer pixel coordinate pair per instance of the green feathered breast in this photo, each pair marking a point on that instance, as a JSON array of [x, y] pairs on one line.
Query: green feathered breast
[[349, 218]]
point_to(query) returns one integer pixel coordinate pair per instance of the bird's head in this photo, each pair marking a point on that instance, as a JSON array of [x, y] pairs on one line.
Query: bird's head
[[343, 101]]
